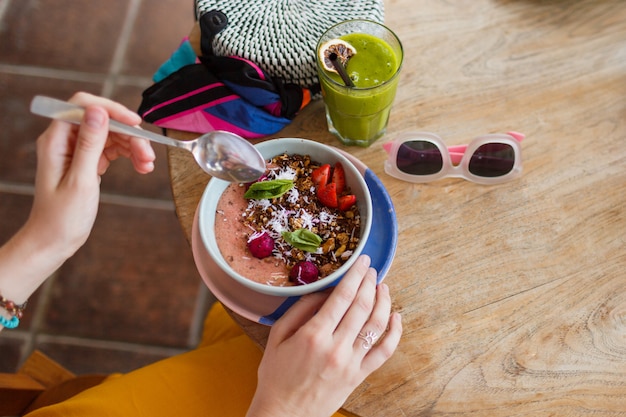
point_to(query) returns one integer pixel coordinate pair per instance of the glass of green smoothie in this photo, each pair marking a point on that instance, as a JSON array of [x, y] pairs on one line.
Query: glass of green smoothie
[[357, 110]]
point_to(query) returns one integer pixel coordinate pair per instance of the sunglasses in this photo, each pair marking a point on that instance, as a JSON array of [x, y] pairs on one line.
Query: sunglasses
[[423, 157]]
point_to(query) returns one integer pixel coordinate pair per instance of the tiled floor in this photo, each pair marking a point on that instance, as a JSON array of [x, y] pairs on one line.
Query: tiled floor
[[132, 294]]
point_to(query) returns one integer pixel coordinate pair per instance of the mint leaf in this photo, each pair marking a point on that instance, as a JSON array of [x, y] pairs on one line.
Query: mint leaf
[[303, 239], [265, 190]]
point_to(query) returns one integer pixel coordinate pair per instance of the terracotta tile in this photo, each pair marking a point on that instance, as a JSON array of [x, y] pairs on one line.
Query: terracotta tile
[[97, 360], [157, 33], [122, 179], [52, 33], [14, 210], [134, 281], [129, 95], [11, 349], [20, 128]]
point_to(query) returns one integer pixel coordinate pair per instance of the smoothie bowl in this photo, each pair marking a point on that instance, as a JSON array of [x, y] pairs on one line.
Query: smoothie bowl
[[295, 231]]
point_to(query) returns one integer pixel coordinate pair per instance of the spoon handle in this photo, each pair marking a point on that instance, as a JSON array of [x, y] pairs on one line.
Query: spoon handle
[[68, 112]]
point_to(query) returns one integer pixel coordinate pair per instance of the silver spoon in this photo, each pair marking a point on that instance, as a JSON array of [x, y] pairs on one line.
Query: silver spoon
[[221, 154]]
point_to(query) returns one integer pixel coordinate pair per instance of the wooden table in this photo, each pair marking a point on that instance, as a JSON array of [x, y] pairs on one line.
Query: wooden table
[[513, 296]]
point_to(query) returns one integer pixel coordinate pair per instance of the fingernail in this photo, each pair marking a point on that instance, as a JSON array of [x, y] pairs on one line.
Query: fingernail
[[397, 316], [94, 118]]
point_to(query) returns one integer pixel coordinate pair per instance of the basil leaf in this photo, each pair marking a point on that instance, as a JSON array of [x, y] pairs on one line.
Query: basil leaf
[[265, 190], [303, 239]]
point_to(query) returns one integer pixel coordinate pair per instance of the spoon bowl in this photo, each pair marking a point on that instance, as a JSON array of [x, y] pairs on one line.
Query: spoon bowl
[[222, 154]]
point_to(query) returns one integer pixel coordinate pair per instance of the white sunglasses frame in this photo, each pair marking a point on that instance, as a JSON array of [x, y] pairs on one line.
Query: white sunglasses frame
[[456, 159]]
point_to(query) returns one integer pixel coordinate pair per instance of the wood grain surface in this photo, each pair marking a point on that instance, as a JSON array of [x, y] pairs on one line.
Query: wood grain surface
[[513, 296]]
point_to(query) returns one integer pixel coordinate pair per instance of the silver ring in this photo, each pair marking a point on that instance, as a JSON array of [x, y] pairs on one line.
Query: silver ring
[[369, 339]]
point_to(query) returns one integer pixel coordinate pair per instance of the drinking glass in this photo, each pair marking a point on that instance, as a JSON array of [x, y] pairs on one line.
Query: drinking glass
[[358, 114]]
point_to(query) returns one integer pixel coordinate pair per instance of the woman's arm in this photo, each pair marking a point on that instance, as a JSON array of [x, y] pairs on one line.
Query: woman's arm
[[70, 161]]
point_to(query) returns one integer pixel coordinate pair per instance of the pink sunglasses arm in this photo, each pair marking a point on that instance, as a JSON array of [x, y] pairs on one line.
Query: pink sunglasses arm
[[516, 135]]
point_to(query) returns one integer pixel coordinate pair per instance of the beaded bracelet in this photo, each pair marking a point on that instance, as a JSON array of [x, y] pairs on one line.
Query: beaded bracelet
[[9, 324], [15, 310]]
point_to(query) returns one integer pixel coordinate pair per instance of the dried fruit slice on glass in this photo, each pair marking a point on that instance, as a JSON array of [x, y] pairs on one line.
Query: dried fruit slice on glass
[[341, 48]]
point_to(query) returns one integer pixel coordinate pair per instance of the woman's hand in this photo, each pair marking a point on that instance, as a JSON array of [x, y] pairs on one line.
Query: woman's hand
[[325, 345], [70, 160]]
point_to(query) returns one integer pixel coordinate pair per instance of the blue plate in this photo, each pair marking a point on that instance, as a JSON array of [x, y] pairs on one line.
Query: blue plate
[[266, 309]]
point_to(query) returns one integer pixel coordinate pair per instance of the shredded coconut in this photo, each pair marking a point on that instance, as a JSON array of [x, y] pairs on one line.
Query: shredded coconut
[[300, 208]]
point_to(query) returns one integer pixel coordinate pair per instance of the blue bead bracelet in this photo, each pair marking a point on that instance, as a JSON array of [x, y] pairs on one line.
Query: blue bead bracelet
[[9, 324]]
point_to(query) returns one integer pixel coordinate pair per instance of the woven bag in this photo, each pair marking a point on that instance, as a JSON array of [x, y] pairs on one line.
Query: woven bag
[[281, 35]]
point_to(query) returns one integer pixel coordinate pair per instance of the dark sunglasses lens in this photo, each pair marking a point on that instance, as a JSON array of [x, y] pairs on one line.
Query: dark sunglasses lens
[[419, 157], [492, 160]]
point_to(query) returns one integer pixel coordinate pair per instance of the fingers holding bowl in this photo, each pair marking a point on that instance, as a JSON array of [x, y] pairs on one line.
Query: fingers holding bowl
[[365, 322], [361, 308], [369, 325], [377, 323], [341, 300]]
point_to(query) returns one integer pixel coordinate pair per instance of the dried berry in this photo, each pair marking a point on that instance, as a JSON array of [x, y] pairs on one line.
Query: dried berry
[[261, 245], [304, 272]]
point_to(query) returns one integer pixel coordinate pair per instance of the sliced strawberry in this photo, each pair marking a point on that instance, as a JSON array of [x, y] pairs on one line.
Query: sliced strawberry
[[321, 175], [339, 177], [328, 195], [331, 184], [346, 201]]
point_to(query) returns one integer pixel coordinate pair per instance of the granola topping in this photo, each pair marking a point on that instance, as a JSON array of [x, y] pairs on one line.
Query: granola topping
[[300, 208]]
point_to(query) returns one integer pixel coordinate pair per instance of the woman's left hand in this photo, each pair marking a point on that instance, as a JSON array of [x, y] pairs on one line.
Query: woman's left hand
[[325, 346]]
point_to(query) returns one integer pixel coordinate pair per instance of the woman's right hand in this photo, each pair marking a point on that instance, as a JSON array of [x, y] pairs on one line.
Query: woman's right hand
[[70, 161], [320, 350]]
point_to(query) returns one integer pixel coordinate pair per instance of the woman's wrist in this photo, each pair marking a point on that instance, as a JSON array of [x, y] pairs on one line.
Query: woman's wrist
[[275, 408], [26, 261]]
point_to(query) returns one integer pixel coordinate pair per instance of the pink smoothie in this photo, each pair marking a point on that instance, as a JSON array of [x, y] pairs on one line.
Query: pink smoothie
[[232, 237]]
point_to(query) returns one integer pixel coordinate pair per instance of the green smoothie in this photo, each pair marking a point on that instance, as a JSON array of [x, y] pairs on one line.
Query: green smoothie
[[359, 115]]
